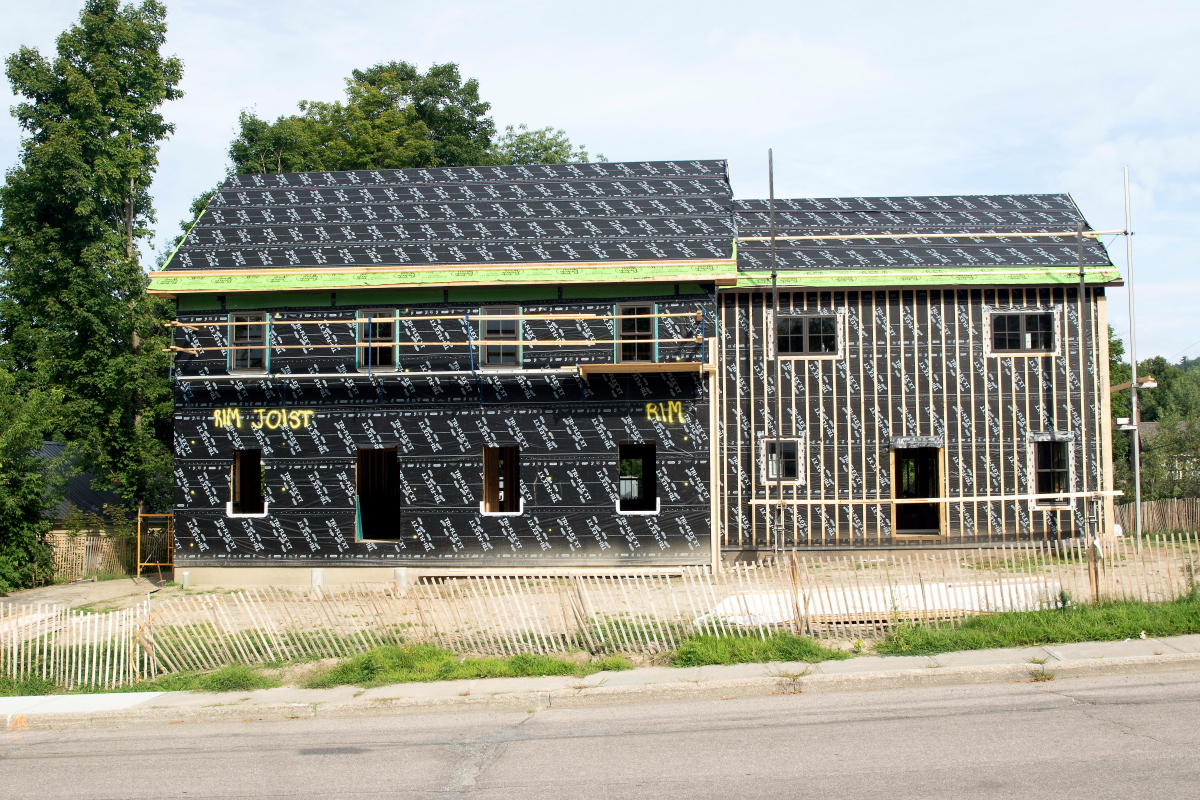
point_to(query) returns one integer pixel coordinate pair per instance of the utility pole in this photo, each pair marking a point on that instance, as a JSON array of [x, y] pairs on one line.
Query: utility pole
[[1134, 418], [772, 337]]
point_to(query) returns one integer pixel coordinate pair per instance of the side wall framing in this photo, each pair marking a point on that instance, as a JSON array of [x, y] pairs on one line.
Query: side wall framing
[[914, 363]]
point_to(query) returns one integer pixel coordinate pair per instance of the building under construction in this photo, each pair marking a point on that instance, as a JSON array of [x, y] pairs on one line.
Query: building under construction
[[597, 365]]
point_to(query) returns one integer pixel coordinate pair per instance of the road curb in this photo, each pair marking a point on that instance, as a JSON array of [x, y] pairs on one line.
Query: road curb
[[784, 682]]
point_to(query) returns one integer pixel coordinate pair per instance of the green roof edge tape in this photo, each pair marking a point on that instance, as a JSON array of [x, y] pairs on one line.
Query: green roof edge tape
[[188, 232], [181, 281], [977, 276]]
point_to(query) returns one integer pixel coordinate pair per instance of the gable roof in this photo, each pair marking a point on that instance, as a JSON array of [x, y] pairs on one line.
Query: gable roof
[[435, 222], [957, 259]]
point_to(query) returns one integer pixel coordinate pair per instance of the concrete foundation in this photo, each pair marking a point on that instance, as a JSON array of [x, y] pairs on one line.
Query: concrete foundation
[[235, 577]]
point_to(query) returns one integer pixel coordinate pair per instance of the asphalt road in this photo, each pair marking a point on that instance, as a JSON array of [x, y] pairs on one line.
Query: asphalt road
[[1118, 737]]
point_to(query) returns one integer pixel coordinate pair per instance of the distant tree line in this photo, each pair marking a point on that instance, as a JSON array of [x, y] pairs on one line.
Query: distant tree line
[[81, 343], [1171, 452]]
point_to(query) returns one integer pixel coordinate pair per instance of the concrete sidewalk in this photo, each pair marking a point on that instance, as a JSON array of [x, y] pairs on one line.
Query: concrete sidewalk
[[1137, 656]]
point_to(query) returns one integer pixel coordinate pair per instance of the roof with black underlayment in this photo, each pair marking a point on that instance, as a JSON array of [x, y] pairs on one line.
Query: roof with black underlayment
[[603, 212], [881, 216]]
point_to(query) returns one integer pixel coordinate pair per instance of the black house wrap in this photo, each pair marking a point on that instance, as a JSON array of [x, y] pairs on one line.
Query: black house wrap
[[310, 431], [581, 365]]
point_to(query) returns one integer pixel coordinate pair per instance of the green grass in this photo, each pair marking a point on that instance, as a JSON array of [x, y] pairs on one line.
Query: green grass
[[236, 678], [424, 662], [1105, 622], [700, 651], [26, 687]]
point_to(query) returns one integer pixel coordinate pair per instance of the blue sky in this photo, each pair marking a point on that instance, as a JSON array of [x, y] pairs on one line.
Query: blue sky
[[856, 98]]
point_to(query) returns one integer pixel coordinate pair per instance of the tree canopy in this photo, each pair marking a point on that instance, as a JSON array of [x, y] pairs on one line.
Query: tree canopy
[[1171, 448], [74, 315], [394, 117]]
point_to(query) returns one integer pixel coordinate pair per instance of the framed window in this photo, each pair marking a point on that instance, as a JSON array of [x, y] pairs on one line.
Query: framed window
[[248, 342], [381, 338], [782, 466], [502, 480], [246, 484], [497, 333], [1051, 471], [811, 335], [637, 487], [1022, 332], [635, 333]]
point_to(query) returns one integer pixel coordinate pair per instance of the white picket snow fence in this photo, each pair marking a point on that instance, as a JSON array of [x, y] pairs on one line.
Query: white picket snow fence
[[826, 594]]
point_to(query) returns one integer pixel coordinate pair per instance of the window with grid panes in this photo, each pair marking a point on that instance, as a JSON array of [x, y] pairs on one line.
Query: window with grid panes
[[501, 337], [782, 460], [635, 331], [381, 336], [809, 334], [247, 340], [1025, 332], [1052, 470]]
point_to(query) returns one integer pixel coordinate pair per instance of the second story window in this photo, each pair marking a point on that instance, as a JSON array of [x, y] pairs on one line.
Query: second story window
[[807, 335], [635, 332], [247, 340], [1023, 333], [497, 335], [380, 338]]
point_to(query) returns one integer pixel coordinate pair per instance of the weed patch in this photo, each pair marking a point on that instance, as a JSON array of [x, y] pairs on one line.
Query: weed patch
[[1104, 622], [26, 687], [423, 662], [699, 651]]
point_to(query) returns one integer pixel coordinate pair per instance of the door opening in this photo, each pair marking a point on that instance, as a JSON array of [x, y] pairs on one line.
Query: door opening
[[502, 480], [378, 474], [917, 475]]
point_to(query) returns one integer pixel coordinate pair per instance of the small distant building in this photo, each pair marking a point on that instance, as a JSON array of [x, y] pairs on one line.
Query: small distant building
[[80, 496], [582, 366]]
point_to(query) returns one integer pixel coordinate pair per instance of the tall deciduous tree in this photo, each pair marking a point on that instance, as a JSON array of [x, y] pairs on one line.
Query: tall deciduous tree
[[74, 315], [394, 116]]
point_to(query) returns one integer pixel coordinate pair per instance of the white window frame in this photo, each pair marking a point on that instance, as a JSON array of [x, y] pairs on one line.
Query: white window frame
[[989, 340], [266, 346], [360, 332], [1061, 437], [518, 325], [839, 331], [620, 309], [765, 442]]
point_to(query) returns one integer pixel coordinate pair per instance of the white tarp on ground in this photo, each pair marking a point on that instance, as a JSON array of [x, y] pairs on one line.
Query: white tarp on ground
[[882, 602]]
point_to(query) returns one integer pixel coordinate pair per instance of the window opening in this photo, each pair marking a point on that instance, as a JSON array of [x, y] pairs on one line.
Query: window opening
[[918, 474], [382, 338], [635, 474], [246, 482], [1023, 333], [635, 330], [785, 465], [248, 352], [377, 475], [1052, 468], [502, 480], [813, 334], [497, 333]]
